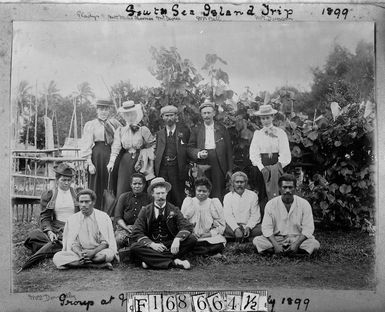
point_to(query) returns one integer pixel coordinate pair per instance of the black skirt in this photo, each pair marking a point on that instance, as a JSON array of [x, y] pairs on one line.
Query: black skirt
[[98, 182]]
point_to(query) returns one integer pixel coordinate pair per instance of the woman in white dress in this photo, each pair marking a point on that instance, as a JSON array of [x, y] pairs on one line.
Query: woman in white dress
[[206, 214], [269, 150]]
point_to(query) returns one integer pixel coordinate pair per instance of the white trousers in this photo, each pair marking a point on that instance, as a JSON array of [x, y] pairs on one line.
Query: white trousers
[[64, 257], [262, 243]]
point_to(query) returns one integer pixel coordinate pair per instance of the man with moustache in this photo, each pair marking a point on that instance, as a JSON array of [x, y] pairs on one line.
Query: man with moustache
[[88, 237], [241, 209], [171, 154], [287, 225], [210, 144], [163, 236]]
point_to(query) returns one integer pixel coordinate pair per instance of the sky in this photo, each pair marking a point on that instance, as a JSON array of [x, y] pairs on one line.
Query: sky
[[260, 55]]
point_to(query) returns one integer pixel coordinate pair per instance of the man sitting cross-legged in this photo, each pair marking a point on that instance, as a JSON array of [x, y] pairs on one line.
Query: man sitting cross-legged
[[161, 232], [88, 237], [287, 225], [242, 213]]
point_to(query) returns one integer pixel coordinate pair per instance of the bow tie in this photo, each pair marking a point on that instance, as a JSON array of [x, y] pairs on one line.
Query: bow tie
[[272, 132], [134, 128]]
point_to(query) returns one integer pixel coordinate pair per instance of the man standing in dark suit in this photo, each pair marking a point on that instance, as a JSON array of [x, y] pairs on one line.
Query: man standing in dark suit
[[210, 144], [161, 232], [171, 154]]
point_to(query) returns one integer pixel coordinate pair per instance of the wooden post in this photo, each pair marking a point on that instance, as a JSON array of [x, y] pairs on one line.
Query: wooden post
[[75, 125], [35, 134], [29, 123], [46, 104]]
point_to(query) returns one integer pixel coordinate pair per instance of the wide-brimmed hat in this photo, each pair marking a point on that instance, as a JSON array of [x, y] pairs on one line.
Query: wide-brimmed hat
[[168, 109], [265, 110], [64, 170], [131, 107], [207, 103], [159, 181], [104, 102]]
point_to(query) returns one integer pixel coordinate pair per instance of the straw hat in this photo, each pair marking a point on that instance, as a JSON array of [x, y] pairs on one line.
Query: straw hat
[[158, 182], [130, 107], [64, 170], [265, 110]]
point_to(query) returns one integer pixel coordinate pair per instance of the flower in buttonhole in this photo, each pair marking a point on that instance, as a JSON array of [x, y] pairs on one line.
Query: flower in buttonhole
[[171, 215]]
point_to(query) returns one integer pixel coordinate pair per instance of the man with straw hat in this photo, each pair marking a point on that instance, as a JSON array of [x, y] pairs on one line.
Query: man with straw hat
[[163, 236], [210, 144], [97, 139], [171, 153], [138, 146], [269, 150]]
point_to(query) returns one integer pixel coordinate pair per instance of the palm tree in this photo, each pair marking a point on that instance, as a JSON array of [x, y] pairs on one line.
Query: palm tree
[[23, 98], [52, 93], [84, 91]]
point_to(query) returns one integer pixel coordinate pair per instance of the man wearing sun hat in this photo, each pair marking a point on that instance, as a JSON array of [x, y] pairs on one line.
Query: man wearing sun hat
[[171, 153], [269, 150], [56, 206], [163, 236], [98, 135], [210, 144]]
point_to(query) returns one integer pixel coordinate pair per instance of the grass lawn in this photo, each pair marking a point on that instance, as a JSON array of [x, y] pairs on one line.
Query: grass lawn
[[345, 261]]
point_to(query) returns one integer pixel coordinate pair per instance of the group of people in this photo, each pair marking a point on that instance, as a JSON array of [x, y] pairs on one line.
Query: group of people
[[153, 216]]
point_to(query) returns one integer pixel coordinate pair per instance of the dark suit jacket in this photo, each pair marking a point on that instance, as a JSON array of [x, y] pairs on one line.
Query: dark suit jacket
[[223, 149], [176, 223], [182, 137]]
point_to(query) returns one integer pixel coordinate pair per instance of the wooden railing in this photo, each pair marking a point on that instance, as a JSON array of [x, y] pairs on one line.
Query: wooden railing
[[33, 174]]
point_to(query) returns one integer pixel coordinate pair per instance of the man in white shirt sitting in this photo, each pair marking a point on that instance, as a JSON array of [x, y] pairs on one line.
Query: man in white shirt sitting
[[288, 224], [242, 213], [88, 237]]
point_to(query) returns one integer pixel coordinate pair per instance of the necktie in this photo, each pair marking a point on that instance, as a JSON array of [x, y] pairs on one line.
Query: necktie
[[108, 133], [161, 212], [170, 134]]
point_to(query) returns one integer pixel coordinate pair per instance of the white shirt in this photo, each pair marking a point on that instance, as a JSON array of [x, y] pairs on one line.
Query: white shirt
[[277, 221], [276, 142], [209, 138], [64, 205], [93, 132], [243, 210], [156, 210], [168, 129]]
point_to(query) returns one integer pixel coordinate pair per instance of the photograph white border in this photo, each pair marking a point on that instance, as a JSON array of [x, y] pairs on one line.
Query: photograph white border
[[322, 300]]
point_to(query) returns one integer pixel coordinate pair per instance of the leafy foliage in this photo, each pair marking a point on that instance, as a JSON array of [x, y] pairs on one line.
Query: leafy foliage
[[339, 161], [333, 157]]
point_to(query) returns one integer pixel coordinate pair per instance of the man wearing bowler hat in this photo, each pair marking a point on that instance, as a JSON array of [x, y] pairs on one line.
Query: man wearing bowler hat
[[210, 144], [171, 153], [163, 236]]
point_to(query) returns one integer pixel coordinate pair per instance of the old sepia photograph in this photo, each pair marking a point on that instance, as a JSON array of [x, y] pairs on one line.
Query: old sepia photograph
[[158, 156]]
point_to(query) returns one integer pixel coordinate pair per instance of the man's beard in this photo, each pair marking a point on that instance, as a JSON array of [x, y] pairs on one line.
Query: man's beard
[[287, 198], [239, 190]]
